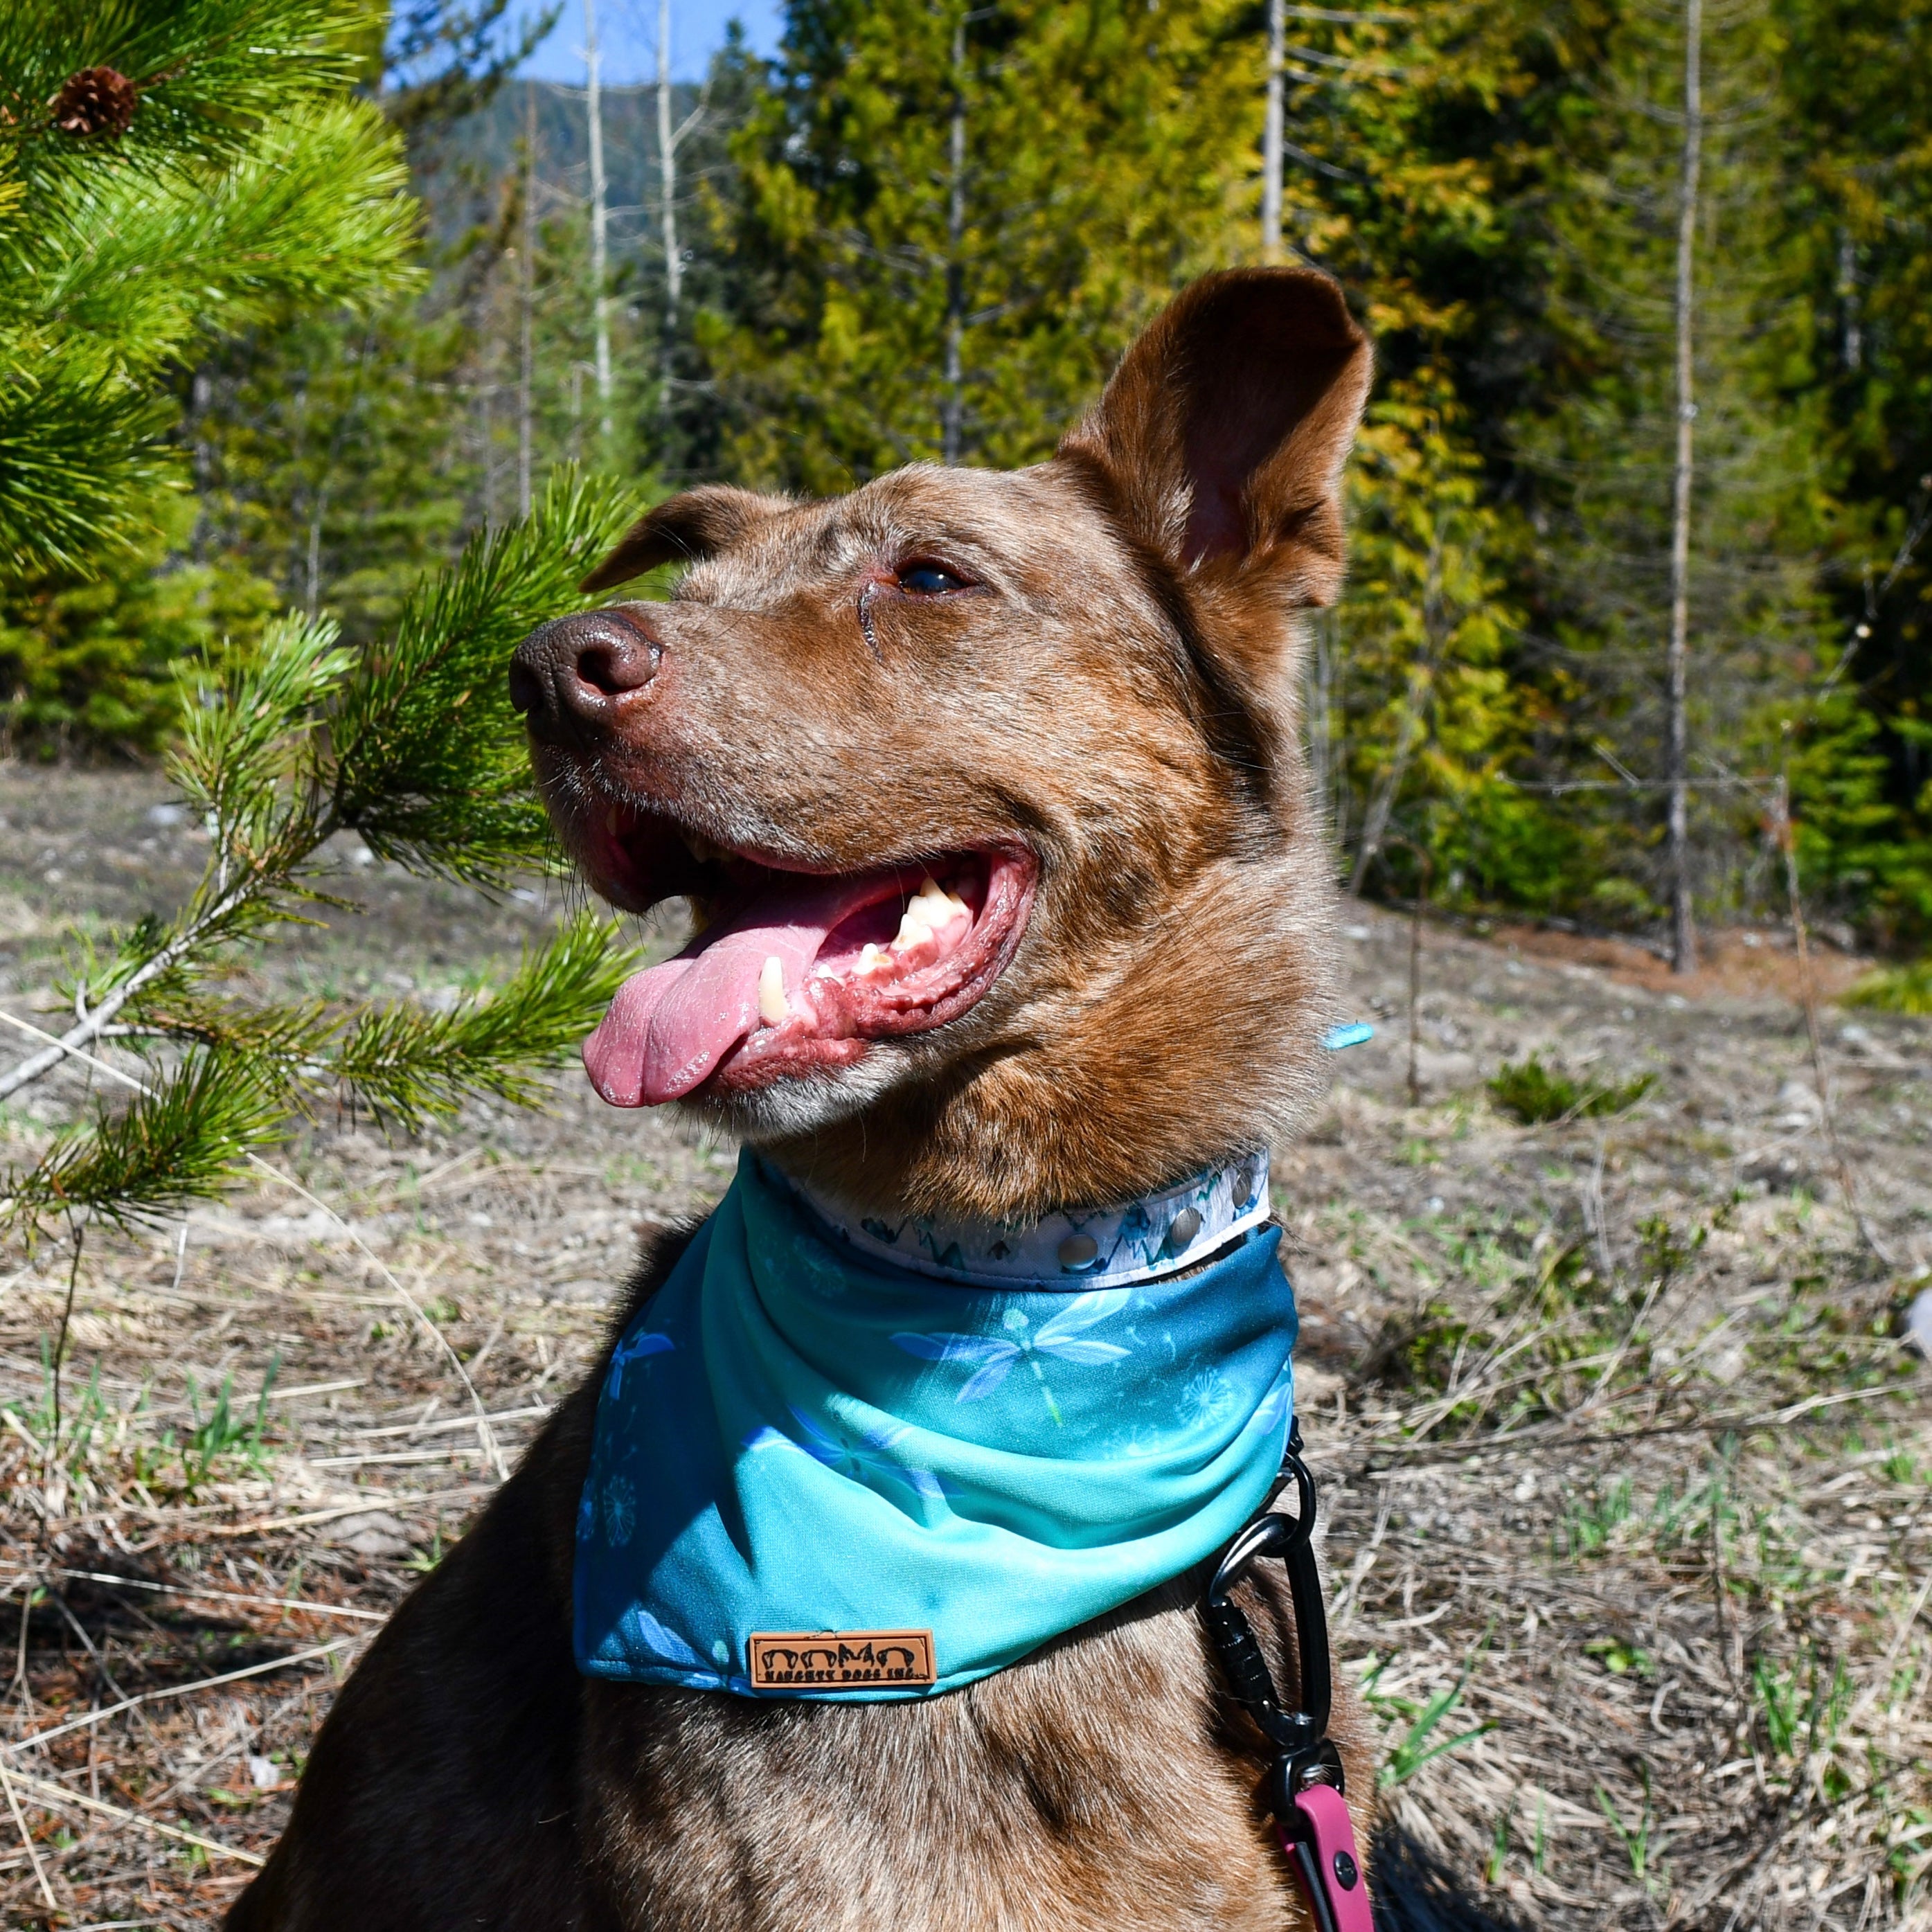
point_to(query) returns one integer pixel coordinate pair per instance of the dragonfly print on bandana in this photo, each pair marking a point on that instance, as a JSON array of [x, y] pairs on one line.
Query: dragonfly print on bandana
[[637, 1347], [1063, 1335], [864, 1454]]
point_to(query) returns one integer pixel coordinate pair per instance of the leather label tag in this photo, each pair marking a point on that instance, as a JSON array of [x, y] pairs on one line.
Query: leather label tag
[[840, 1660]]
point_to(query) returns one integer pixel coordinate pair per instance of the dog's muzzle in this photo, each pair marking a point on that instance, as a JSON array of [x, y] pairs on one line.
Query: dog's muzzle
[[574, 678]]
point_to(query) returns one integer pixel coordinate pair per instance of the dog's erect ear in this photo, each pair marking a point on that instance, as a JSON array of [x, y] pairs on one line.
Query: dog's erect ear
[[1223, 434], [684, 529]]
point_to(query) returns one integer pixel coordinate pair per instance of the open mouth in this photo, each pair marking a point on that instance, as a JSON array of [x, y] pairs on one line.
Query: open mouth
[[794, 971]]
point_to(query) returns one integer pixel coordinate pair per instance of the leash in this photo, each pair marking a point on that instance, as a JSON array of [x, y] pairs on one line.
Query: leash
[[1304, 1784]]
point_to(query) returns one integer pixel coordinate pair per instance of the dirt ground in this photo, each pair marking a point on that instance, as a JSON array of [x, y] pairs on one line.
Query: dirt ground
[[1628, 1481]]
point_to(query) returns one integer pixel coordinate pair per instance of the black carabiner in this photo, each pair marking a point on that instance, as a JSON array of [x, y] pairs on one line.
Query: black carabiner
[[1305, 1787], [1300, 1737]]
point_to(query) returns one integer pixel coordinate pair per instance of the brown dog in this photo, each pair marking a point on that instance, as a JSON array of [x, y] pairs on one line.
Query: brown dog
[[1069, 694]]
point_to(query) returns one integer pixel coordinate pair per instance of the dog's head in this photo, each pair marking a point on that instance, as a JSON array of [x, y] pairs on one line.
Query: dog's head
[[986, 787]]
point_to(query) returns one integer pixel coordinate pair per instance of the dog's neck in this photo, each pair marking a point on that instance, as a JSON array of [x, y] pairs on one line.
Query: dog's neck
[[1159, 1234]]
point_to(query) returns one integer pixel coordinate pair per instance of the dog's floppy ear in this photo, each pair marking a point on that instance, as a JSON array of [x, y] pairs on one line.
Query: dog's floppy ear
[[1222, 436], [684, 529]]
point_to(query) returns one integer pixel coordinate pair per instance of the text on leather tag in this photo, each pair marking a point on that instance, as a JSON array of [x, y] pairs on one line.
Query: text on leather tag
[[839, 1659]]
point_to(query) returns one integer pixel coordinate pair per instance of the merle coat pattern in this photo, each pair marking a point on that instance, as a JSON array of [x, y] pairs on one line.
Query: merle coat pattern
[[1091, 667]]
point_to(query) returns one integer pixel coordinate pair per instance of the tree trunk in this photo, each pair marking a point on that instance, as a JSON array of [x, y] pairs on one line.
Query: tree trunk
[[952, 415], [1683, 928], [1854, 340], [1271, 136], [486, 398], [668, 196], [593, 105], [527, 293], [1419, 702]]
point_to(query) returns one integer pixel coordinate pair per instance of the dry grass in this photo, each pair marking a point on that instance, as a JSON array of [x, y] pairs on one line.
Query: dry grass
[[1629, 1487]]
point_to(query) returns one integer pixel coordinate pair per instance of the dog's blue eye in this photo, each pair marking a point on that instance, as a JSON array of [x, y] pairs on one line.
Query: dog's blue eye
[[929, 579]]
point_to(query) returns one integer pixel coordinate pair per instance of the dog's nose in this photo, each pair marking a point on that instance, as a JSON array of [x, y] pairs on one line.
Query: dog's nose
[[577, 674]]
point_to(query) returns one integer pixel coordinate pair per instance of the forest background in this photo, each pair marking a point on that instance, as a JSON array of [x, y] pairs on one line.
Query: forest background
[[925, 229]]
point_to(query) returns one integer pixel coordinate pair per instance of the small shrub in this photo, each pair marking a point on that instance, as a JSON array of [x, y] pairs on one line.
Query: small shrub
[[1535, 1093], [1895, 989]]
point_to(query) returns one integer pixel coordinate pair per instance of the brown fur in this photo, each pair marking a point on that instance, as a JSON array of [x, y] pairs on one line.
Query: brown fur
[[1116, 692]]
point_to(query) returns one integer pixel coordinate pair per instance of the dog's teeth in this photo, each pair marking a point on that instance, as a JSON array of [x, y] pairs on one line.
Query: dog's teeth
[[931, 909], [870, 957], [771, 1007], [702, 850]]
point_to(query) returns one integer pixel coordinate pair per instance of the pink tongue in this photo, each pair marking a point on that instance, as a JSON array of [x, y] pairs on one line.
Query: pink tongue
[[670, 1025]]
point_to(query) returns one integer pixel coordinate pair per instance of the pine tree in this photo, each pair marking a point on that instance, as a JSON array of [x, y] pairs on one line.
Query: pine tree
[[1407, 139], [202, 170], [1855, 85], [948, 221], [1608, 455], [1416, 706], [333, 457], [86, 660], [163, 180], [411, 746]]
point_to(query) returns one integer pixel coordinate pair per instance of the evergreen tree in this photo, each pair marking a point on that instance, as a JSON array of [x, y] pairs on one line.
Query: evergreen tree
[[87, 660], [201, 169], [948, 221], [1855, 85], [444, 59], [924, 233], [1761, 510], [331, 459], [164, 180], [1410, 141]]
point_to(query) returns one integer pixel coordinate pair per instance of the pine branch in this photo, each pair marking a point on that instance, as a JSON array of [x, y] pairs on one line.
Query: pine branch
[[429, 763], [77, 458], [129, 269], [170, 170], [422, 755], [408, 1065], [416, 748], [134, 969], [173, 1145], [247, 763], [288, 1046], [208, 74]]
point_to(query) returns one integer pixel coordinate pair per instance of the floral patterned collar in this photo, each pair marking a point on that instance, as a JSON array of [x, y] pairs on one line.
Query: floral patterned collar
[[1158, 1235]]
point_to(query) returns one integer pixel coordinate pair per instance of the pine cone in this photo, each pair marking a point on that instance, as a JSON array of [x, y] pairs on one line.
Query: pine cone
[[97, 101]]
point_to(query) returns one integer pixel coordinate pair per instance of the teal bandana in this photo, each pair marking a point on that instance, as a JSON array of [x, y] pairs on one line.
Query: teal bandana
[[944, 1470]]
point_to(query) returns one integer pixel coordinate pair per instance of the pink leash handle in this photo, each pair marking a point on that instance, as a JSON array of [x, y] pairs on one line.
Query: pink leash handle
[[1320, 1849]]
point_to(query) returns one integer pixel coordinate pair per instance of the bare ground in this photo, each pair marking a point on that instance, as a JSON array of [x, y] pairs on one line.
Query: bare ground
[[1629, 1484]]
